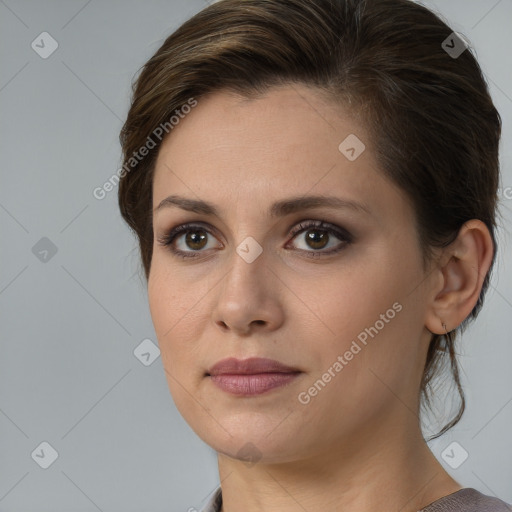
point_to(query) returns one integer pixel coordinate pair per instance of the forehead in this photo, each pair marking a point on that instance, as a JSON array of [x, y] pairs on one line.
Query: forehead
[[284, 143]]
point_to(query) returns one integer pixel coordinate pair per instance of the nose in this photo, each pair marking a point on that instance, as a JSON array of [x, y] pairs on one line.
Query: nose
[[249, 297]]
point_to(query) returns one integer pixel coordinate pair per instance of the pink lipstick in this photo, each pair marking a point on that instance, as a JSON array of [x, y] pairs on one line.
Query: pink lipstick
[[252, 376]]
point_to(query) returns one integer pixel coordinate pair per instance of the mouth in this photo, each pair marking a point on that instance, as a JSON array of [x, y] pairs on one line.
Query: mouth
[[252, 376]]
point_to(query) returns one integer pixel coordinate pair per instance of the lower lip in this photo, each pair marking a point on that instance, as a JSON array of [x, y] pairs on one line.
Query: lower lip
[[256, 384]]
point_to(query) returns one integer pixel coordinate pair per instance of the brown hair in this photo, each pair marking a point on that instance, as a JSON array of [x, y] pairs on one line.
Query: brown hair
[[432, 122]]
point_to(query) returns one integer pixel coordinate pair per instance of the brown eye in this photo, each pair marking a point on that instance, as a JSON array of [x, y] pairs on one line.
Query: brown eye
[[195, 241], [187, 240], [316, 238], [317, 235]]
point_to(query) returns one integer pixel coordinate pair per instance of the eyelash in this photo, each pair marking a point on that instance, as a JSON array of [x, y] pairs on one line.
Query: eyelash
[[345, 237]]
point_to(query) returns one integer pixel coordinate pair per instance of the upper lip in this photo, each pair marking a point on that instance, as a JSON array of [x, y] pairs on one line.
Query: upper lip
[[251, 366]]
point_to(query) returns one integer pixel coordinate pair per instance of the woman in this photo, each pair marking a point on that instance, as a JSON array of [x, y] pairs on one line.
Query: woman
[[313, 185]]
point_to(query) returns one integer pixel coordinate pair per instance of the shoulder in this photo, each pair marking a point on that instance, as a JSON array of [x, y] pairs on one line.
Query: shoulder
[[468, 500]]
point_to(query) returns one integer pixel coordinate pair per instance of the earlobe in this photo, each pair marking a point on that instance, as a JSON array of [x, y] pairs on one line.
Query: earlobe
[[466, 263]]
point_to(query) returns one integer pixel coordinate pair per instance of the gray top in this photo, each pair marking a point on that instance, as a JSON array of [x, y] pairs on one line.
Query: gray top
[[465, 500]]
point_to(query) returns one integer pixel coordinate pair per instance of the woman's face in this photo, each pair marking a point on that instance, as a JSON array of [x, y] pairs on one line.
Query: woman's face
[[343, 305]]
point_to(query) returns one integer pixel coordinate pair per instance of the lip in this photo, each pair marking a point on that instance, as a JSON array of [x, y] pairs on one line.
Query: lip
[[252, 376], [251, 366]]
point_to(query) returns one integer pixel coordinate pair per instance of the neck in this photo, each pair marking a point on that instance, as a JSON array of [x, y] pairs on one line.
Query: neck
[[387, 469]]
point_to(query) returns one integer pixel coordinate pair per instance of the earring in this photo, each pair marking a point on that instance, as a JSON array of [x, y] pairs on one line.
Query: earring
[[444, 327]]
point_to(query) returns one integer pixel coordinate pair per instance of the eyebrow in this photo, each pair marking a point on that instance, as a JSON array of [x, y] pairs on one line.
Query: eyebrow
[[277, 209]]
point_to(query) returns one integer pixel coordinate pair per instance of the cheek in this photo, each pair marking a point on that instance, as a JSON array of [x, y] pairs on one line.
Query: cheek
[[177, 311], [171, 317], [169, 313], [364, 371], [354, 299], [374, 321], [170, 300]]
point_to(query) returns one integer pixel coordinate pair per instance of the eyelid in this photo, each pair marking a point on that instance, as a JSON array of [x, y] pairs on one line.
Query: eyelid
[[167, 239], [305, 224], [345, 237], [173, 233]]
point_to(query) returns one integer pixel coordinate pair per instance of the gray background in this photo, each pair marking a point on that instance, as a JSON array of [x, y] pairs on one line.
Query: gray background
[[70, 323]]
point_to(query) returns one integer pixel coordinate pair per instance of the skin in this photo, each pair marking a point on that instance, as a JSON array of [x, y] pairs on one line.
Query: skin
[[357, 444]]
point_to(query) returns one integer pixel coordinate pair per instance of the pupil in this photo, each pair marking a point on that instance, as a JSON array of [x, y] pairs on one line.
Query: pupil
[[192, 239], [318, 240]]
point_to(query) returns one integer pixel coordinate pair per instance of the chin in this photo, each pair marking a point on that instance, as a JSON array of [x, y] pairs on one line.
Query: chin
[[251, 437]]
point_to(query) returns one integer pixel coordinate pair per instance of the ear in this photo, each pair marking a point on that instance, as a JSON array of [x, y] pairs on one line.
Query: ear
[[459, 277]]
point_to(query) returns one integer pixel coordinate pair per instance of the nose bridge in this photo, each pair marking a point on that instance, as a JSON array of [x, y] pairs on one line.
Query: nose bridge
[[246, 295], [247, 266], [247, 233]]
